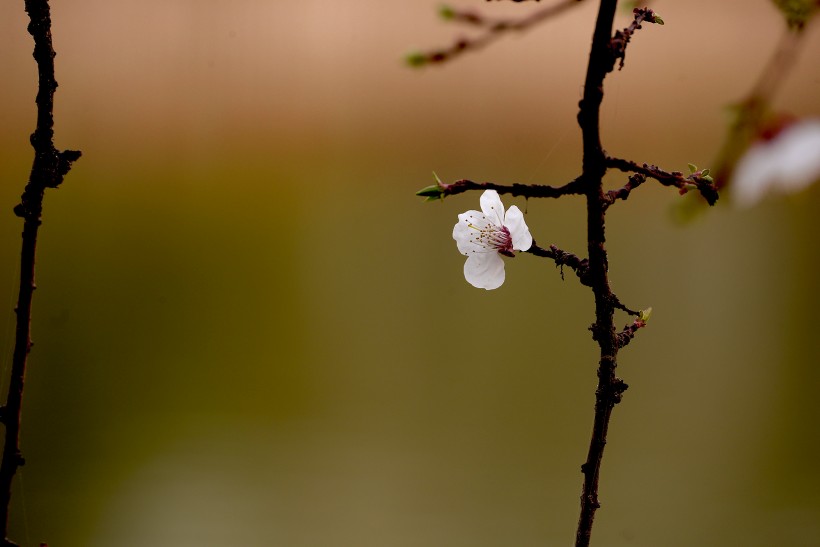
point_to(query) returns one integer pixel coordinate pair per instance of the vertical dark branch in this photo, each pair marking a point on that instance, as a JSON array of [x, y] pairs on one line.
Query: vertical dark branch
[[47, 171], [610, 387]]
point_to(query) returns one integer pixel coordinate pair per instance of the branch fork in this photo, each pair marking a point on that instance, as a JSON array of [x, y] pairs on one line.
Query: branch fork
[[607, 50]]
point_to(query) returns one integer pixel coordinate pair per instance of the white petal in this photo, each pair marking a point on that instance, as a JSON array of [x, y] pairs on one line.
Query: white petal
[[788, 163], [514, 221], [484, 270], [466, 236], [492, 207], [752, 176], [800, 160]]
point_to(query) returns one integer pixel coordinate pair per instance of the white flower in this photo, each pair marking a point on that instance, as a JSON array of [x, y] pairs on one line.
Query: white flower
[[787, 163], [484, 236]]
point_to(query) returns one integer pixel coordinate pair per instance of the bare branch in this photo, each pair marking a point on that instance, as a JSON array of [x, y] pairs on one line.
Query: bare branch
[[622, 37], [441, 190], [675, 178], [623, 192], [515, 189], [493, 30], [47, 171]]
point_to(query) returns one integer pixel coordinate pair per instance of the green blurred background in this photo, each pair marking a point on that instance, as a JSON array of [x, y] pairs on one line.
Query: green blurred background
[[249, 331]]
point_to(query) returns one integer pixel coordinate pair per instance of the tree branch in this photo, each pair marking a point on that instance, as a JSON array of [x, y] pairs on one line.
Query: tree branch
[[610, 387], [441, 190], [676, 179], [623, 192], [625, 336], [494, 29], [47, 171], [622, 37], [562, 258], [579, 265]]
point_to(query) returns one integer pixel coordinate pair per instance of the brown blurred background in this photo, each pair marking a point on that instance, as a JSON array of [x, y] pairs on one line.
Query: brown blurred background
[[249, 331]]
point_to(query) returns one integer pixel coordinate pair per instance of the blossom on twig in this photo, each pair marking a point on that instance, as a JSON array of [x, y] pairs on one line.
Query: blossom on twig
[[484, 236], [786, 163]]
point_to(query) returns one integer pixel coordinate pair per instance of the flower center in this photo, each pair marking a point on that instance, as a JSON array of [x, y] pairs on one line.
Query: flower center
[[496, 238]]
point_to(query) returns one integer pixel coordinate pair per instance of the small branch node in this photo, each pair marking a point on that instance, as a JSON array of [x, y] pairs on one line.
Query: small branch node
[[618, 391], [623, 192]]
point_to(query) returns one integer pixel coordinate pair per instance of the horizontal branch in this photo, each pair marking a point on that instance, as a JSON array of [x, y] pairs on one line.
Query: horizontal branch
[[494, 29], [675, 178], [441, 190]]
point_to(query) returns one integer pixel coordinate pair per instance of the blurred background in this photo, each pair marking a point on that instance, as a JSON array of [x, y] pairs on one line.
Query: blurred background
[[249, 331]]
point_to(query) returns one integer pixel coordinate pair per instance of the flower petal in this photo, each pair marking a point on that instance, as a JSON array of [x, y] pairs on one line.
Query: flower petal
[[514, 221], [788, 163], [484, 270], [800, 160], [466, 230], [492, 207]]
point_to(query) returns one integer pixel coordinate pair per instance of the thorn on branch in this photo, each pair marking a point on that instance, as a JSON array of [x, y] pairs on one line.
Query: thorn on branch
[[618, 306]]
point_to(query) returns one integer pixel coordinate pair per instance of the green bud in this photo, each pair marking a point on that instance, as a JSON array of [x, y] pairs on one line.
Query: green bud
[[797, 12], [446, 12], [692, 168], [432, 192], [657, 20], [704, 173], [415, 59], [644, 315]]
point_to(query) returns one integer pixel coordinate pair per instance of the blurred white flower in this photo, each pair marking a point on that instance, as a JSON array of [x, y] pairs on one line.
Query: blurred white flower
[[787, 163], [484, 236]]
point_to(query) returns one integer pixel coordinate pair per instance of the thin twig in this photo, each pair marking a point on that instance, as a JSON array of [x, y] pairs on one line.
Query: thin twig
[[675, 178], [494, 29], [752, 111], [625, 336], [562, 258], [622, 37], [47, 171], [579, 265], [623, 192]]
